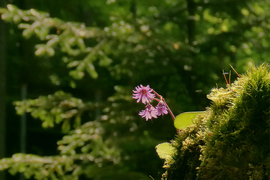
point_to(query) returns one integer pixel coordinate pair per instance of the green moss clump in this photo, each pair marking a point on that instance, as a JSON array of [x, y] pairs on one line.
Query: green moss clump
[[231, 140]]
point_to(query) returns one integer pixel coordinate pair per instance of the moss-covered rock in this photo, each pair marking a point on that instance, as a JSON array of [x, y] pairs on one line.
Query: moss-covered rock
[[231, 140]]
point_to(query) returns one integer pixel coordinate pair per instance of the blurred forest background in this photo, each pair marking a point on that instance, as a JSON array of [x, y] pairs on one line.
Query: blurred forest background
[[67, 70]]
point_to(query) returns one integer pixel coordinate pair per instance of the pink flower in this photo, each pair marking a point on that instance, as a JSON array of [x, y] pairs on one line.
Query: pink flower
[[161, 108], [149, 112], [143, 93]]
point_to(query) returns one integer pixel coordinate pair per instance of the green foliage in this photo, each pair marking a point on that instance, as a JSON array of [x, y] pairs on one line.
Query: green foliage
[[68, 36], [81, 150], [165, 151], [54, 109], [231, 139], [185, 119]]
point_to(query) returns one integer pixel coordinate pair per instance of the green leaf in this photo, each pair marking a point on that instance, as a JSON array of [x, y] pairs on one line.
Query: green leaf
[[66, 126], [91, 70], [185, 119], [76, 74], [165, 151], [41, 50]]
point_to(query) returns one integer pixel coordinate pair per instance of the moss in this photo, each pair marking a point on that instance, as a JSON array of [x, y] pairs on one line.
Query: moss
[[188, 146], [231, 140]]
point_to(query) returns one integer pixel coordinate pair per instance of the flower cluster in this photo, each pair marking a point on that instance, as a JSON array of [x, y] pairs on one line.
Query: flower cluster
[[146, 95]]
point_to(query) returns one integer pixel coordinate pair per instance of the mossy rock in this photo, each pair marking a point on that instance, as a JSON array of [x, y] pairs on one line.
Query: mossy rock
[[231, 140]]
